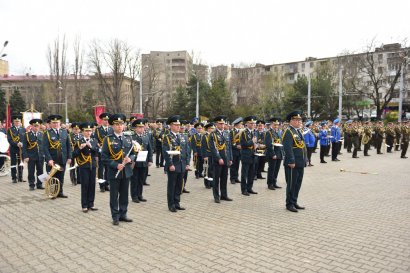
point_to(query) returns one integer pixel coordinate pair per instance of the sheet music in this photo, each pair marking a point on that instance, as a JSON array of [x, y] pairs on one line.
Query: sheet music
[[142, 156]]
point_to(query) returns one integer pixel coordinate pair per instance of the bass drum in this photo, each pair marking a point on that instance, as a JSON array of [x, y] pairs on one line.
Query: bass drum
[[4, 144]]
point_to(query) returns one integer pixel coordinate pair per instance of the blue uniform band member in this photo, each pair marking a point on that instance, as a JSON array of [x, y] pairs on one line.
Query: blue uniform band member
[[222, 159], [176, 163], [57, 149], [248, 143], [33, 153], [140, 171], [15, 135], [117, 155], [100, 133], [85, 152], [295, 160]]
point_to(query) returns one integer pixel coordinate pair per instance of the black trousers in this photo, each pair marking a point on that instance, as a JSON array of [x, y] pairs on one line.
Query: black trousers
[[323, 149], [34, 165], [234, 169], [199, 167], [139, 175], [159, 156], [366, 148], [59, 175], [260, 165], [247, 175], [119, 197], [102, 173], [88, 177], [335, 149], [404, 146], [174, 188], [273, 171], [209, 174], [220, 181], [15, 161], [294, 179], [309, 153]]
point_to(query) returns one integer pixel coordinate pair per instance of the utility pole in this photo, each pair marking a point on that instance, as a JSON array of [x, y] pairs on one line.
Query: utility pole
[[340, 92], [309, 97]]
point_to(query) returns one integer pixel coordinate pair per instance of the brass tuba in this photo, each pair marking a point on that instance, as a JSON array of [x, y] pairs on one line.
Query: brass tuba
[[52, 185], [6, 167], [365, 139]]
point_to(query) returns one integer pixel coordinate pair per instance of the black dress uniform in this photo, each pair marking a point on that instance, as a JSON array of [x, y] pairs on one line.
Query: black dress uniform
[[236, 151], [100, 133], [74, 137], [260, 160], [206, 153], [247, 158], [196, 142], [33, 150], [274, 154], [57, 147], [114, 150], [87, 164], [220, 150], [173, 142], [158, 134], [14, 136], [139, 175], [295, 153]]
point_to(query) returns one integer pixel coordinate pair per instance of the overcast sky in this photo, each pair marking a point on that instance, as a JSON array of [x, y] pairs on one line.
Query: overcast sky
[[220, 31]]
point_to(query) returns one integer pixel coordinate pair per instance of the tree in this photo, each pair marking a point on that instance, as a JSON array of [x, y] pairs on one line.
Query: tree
[[3, 105], [178, 104], [17, 104], [217, 101]]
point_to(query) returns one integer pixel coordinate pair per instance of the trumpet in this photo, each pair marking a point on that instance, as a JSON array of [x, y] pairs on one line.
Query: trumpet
[[195, 161]]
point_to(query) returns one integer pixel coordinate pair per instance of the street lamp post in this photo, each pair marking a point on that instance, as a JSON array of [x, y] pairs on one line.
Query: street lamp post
[[309, 97], [4, 46], [197, 99], [403, 67], [340, 92]]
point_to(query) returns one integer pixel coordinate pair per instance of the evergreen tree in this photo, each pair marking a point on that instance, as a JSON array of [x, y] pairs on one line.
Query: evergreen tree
[[17, 103], [3, 105]]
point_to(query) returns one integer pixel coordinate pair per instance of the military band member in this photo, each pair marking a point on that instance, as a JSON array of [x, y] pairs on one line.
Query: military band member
[[390, 136], [15, 135], [100, 133], [405, 138], [248, 143], [397, 130], [196, 142], [75, 136], [309, 138], [324, 141], [139, 171], [221, 158], [236, 149], [57, 149], [335, 132], [175, 164], [367, 136], [207, 154], [117, 154], [86, 153], [33, 153], [261, 149], [355, 138], [295, 160], [158, 133], [274, 153], [185, 145], [378, 136]]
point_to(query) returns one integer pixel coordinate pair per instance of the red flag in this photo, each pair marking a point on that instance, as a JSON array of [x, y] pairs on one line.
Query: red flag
[[98, 110], [8, 117]]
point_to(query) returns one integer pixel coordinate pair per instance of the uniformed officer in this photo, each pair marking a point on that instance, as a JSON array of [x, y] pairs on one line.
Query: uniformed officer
[[75, 136], [86, 152], [207, 154], [57, 149], [261, 149], [355, 138], [176, 163], [158, 133], [139, 171], [117, 154], [248, 144], [236, 149], [100, 133], [336, 135], [309, 138], [186, 145], [33, 153], [390, 136], [274, 153], [295, 160], [196, 141], [405, 138], [15, 135], [221, 158]]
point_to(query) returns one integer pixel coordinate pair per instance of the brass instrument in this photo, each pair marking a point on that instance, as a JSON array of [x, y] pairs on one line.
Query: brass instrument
[[206, 170], [52, 184], [6, 168], [366, 135], [195, 160]]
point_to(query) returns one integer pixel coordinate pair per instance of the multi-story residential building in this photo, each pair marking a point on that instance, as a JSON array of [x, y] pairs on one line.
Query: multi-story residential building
[[4, 67]]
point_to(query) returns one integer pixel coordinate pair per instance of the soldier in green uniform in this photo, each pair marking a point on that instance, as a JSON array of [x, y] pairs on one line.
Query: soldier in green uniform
[[100, 133], [405, 138], [117, 154], [295, 160], [248, 143], [207, 154], [15, 135]]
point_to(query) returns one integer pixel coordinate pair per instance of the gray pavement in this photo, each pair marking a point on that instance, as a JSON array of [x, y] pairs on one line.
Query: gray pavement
[[352, 223]]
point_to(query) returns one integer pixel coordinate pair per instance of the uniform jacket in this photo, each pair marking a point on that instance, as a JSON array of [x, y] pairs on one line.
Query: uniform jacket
[[176, 142], [33, 145], [234, 140], [220, 148], [247, 152], [335, 132], [272, 137], [294, 147], [113, 152], [309, 138], [145, 146], [14, 136], [205, 146], [196, 142], [57, 147], [85, 157], [101, 133]]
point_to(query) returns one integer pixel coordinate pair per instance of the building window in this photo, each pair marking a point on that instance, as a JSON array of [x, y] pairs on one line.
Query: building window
[[380, 57], [312, 65], [303, 66]]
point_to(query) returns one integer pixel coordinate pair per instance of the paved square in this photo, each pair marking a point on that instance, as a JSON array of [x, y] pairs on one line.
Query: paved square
[[353, 223]]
